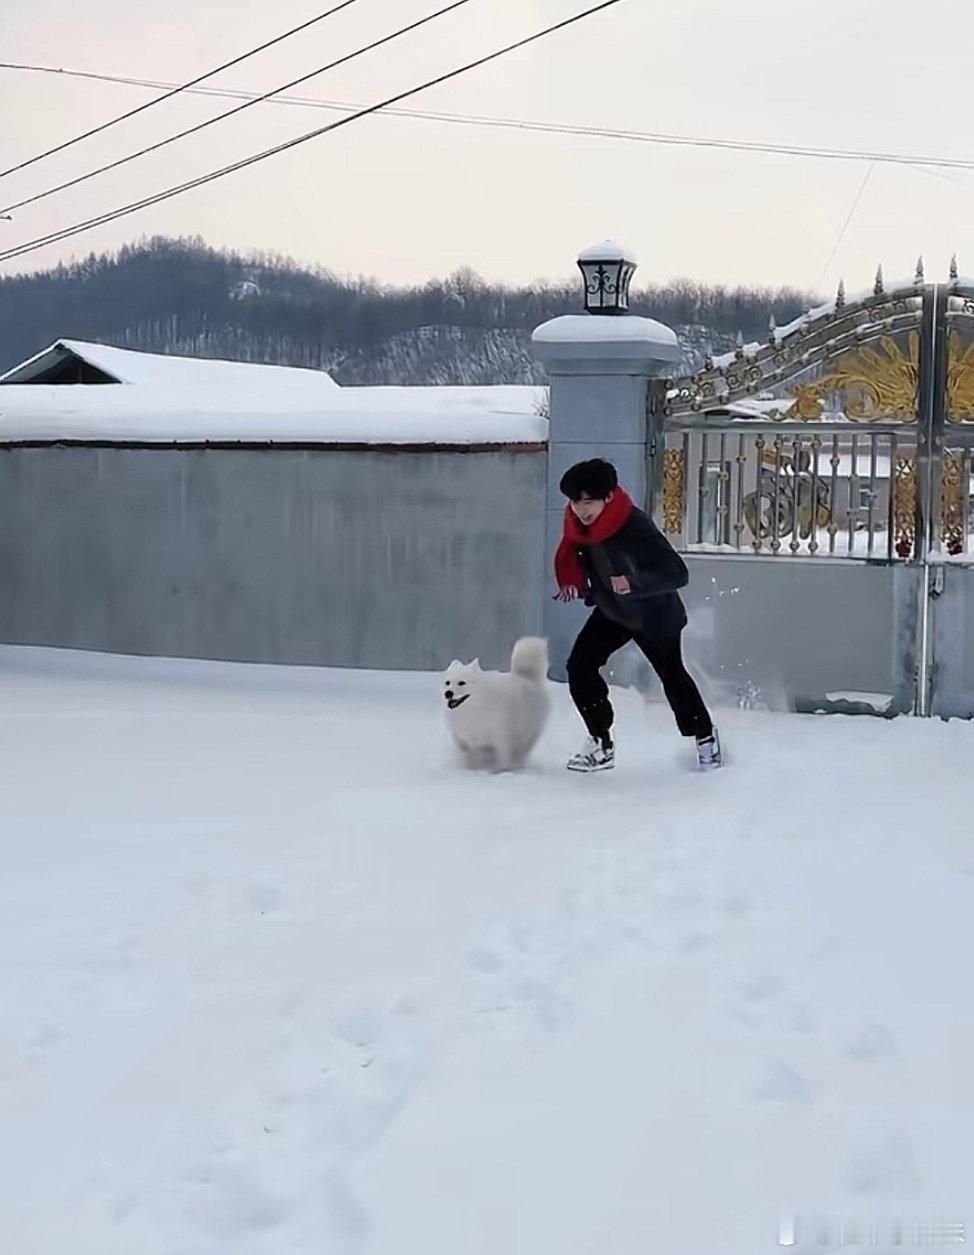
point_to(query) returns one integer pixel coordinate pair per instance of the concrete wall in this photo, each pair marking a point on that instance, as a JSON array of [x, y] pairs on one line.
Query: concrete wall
[[360, 559], [795, 631], [952, 633], [406, 560], [785, 633]]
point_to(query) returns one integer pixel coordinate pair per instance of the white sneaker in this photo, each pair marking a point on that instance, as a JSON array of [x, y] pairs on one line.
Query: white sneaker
[[593, 756], [709, 754]]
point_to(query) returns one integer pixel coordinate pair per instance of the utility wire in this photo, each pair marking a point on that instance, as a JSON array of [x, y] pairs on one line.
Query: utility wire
[[134, 206], [845, 226], [248, 104], [557, 128], [95, 130]]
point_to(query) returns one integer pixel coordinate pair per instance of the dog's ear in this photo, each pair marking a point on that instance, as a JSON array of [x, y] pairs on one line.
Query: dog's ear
[[475, 663], [455, 664]]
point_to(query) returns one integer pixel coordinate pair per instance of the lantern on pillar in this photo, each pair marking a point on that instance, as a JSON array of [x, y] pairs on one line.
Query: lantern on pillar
[[608, 270]]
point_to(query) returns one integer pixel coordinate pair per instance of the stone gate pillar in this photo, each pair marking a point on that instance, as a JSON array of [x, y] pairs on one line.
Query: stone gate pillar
[[599, 364]]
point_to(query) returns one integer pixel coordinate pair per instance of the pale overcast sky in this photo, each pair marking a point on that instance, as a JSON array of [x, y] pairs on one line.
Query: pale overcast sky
[[405, 199]]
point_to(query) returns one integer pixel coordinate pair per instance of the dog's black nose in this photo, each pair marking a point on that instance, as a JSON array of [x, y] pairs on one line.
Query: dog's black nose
[[449, 695]]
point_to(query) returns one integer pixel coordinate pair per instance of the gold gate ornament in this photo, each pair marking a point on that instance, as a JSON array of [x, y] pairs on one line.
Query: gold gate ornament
[[952, 502], [886, 382], [674, 472], [960, 380], [905, 504]]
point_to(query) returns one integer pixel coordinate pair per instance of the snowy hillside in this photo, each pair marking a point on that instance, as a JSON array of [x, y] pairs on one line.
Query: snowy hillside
[[182, 297], [459, 355], [278, 979]]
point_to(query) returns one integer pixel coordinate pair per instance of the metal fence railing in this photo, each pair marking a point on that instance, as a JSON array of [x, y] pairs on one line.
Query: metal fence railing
[[823, 492]]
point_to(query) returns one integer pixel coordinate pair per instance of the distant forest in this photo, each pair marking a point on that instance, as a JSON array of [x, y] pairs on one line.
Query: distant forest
[[180, 296]]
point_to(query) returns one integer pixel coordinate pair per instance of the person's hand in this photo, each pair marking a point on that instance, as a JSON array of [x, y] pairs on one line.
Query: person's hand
[[620, 585], [567, 592]]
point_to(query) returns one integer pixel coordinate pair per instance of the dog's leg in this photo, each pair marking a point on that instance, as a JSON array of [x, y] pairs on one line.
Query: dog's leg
[[503, 761], [467, 755], [477, 757]]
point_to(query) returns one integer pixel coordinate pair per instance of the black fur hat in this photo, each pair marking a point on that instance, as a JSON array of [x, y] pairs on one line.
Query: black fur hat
[[595, 478]]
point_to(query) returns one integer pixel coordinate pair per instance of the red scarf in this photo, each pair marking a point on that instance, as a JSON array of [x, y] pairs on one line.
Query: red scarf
[[568, 568]]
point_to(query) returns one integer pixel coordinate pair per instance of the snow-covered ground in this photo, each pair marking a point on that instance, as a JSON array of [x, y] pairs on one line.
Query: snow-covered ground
[[279, 979]]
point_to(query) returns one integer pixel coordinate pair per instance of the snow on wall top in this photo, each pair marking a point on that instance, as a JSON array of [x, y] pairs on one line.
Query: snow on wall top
[[481, 415], [164, 398]]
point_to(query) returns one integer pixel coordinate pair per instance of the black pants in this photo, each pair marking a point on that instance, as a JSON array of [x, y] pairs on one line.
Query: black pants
[[599, 638]]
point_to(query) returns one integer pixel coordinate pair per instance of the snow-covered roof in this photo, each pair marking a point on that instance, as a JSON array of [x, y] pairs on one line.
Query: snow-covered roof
[[482, 415], [131, 366]]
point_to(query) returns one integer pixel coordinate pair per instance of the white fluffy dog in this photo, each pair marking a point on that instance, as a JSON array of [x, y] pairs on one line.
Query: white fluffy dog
[[496, 717]]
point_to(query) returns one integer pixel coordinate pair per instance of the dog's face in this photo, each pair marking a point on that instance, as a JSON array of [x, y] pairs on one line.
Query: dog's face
[[459, 682]]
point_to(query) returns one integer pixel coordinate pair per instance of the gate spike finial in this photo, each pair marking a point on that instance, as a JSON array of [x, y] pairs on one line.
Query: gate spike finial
[[772, 329], [878, 285], [918, 277], [840, 295], [739, 351], [953, 268]]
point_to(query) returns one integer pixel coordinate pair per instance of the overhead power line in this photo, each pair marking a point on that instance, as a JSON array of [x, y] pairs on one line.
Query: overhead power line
[[248, 104], [824, 152], [845, 226], [155, 199], [182, 87]]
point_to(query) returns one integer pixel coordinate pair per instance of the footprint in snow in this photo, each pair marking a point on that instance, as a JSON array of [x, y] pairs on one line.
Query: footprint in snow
[[525, 970], [736, 906], [777, 1081], [760, 986], [882, 1161], [753, 994], [762, 1001], [871, 1040]]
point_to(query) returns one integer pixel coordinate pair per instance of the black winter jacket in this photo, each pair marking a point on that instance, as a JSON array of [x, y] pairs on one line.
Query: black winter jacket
[[641, 552]]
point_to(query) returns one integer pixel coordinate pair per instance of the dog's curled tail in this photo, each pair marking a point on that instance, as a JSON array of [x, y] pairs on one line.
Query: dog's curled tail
[[530, 658]]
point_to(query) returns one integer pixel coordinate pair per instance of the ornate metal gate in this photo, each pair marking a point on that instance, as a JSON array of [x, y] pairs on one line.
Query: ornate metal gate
[[845, 437]]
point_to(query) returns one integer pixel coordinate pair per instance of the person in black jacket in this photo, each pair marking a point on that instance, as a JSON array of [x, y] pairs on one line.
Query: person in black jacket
[[614, 556]]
